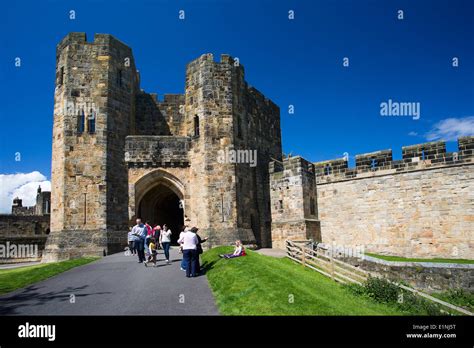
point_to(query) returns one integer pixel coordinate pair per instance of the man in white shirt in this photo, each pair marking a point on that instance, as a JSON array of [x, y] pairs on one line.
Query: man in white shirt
[[190, 241]]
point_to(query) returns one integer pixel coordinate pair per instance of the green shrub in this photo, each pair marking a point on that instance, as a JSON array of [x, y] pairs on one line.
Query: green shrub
[[356, 289], [381, 290], [417, 305]]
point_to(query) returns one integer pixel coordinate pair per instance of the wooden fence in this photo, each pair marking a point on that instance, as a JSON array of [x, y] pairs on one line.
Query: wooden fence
[[317, 259]]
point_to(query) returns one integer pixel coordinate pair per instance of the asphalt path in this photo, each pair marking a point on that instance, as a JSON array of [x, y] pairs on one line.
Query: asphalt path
[[115, 285]]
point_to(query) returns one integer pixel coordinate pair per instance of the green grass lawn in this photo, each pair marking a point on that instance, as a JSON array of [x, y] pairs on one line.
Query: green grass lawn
[[404, 259], [263, 285], [12, 279]]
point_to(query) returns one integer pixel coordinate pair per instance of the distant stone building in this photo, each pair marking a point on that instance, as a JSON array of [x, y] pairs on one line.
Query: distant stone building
[[26, 227], [212, 158], [42, 206]]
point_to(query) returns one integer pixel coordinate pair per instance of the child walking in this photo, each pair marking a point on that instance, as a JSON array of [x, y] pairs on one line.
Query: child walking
[[152, 248]]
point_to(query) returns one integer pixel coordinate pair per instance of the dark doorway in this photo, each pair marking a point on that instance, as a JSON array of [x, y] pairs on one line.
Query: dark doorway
[[161, 205]]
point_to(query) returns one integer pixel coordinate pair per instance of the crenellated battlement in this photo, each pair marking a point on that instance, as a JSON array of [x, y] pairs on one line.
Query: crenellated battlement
[[207, 59], [291, 165], [414, 157], [78, 38]]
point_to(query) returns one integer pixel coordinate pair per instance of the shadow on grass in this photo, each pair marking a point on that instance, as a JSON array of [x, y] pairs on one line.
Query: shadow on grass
[[206, 266]]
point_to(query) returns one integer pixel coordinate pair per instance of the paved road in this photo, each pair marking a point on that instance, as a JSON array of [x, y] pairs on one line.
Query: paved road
[[18, 265], [115, 285], [279, 253]]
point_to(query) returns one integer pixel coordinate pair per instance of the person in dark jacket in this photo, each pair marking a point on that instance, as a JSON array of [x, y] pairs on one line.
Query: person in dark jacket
[[199, 249]]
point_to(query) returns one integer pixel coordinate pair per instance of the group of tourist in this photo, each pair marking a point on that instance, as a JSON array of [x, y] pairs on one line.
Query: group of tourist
[[145, 241]]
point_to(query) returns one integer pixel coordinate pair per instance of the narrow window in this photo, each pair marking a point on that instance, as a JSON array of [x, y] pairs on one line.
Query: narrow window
[[312, 206], [239, 128], [91, 122], [61, 76], [196, 126], [280, 204], [80, 121], [327, 170], [373, 164], [119, 78]]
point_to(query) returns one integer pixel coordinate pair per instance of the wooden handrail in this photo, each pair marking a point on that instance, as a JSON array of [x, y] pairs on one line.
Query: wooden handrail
[[336, 266]]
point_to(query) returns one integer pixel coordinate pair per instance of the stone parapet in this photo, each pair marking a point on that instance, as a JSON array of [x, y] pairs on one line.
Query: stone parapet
[[157, 151], [414, 157]]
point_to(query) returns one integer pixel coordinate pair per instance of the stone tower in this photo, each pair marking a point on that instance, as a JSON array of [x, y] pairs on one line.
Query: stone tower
[[225, 117], [294, 201], [94, 105]]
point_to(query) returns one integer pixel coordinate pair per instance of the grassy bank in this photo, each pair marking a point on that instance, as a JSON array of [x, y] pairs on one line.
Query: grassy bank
[[405, 259], [12, 279], [458, 297], [262, 285]]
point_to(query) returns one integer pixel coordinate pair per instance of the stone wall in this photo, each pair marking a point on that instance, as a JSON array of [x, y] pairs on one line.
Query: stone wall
[[23, 231], [172, 109], [256, 128], [149, 118], [420, 206], [23, 211], [157, 151], [431, 277]]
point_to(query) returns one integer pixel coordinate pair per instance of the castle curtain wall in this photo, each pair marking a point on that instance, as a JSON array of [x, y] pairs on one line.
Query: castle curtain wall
[[427, 213], [419, 206]]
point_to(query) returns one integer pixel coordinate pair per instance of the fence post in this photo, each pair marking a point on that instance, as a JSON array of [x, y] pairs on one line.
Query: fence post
[[332, 264], [303, 258]]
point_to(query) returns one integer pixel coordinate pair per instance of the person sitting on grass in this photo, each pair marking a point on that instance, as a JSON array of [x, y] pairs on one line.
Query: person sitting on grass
[[238, 251], [152, 248]]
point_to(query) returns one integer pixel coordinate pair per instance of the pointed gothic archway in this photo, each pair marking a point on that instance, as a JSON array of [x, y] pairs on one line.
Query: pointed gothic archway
[[159, 200]]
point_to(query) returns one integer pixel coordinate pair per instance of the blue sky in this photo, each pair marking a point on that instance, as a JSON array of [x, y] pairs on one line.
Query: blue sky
[[298, 62]]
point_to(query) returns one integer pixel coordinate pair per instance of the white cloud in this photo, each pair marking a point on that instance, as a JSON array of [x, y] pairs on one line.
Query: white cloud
[[450, 129], [413, 134], [22, 185]]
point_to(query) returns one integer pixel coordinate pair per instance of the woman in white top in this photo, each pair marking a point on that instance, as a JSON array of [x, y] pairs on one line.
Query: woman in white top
[[165, 241]]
